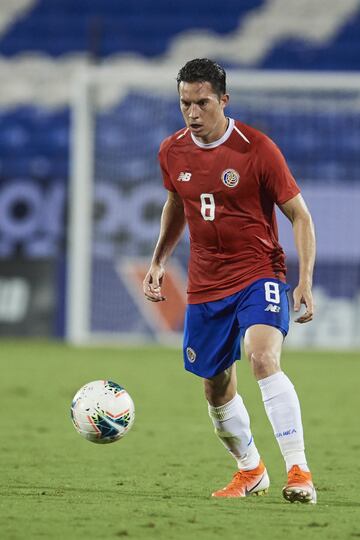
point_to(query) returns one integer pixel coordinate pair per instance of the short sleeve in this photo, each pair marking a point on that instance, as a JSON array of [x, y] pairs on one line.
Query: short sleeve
[[164, 170], [275, 174]]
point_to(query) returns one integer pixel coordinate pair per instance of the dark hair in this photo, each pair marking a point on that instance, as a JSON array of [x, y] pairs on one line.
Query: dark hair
[[204, 70]]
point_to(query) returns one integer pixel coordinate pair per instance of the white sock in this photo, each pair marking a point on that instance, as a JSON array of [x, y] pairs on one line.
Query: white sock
[[232, 426], [283, 410]]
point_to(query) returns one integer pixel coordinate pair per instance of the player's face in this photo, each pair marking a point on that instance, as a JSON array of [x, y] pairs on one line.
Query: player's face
[[203, 110]]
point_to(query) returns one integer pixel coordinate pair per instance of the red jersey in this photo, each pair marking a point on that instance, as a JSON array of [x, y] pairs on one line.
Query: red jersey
[[229, 189]]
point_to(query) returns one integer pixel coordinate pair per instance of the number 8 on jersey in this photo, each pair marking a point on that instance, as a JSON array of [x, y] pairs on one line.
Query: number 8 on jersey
[[207, 206]]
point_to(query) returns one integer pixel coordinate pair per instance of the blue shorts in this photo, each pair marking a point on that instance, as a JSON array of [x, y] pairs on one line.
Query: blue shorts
[[213, 330]]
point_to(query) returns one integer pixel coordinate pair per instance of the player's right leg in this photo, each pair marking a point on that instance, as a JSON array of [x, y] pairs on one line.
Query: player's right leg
[[211, 346], [232, 426]]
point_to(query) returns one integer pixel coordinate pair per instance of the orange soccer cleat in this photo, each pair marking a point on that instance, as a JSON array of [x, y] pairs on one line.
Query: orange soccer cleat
[[245, 483], [299, 487]]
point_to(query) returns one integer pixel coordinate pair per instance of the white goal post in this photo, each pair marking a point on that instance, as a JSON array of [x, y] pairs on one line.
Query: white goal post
[[112, 109]]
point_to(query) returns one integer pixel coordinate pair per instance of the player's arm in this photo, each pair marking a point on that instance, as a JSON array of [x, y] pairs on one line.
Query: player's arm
[[297, 212], [171, 228]]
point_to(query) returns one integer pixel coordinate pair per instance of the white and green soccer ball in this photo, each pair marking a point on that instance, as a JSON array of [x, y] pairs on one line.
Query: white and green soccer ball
[[102, 411]]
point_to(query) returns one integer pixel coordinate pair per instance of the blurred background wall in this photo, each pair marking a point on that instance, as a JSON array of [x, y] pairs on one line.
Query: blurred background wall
[[46, 44]]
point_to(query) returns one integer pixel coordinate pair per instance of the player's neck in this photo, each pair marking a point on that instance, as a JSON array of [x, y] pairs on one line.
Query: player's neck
[[216, 134]]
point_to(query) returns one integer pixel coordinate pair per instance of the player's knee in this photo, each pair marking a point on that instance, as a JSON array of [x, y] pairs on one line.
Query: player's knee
[[264, 363], [220, 389]]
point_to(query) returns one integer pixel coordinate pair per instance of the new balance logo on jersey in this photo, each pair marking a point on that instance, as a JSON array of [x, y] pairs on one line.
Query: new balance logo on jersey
[[272, 308], [184, 177]]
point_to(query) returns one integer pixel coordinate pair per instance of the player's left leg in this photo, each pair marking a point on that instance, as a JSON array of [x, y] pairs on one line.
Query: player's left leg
[[263, 345]]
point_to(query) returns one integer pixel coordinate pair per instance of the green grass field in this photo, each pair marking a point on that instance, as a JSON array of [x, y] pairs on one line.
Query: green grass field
[[155, 483]]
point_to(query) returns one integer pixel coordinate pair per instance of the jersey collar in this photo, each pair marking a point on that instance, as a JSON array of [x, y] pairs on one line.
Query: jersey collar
[[220, 141]]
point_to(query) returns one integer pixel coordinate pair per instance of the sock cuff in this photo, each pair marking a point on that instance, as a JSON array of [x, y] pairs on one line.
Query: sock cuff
[[226, 411], [275, 384]]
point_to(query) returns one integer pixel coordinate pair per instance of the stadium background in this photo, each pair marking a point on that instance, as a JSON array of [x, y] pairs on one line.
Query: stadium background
[[156, 483], [45, 45]]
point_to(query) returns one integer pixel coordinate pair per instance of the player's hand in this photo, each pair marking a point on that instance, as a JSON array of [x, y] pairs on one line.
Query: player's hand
[[303, 295], [152, 283]]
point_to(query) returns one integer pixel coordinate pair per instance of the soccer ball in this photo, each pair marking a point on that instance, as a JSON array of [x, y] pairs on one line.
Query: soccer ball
[[102, 411]]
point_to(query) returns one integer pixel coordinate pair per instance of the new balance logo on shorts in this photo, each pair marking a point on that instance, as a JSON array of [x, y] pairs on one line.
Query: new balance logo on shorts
[[184, 177], [272, 308]]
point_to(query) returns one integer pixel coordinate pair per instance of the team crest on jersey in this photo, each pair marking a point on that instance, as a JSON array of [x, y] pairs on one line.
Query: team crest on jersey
[[191, 354], [230, 178]]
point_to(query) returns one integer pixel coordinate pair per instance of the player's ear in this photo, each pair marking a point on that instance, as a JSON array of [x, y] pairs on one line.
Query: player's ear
[[224, 100]]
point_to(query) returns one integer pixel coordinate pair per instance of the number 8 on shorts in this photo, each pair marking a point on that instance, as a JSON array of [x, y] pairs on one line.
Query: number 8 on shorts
[[272, 293]]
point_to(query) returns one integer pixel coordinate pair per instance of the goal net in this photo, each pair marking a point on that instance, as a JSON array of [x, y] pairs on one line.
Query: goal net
[[116, 196]]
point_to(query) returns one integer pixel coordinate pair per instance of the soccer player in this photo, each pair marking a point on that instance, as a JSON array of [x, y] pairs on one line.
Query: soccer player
[[224, 178]]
